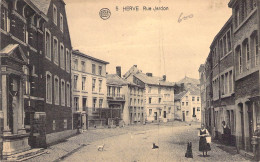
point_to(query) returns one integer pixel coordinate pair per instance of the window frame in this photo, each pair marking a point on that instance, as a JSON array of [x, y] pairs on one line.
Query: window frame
[[62, 56], [68, 97], [61, 23], [48, 101], [45, 44], [55, 59], [56, 91], [63, 94], [55, 19]]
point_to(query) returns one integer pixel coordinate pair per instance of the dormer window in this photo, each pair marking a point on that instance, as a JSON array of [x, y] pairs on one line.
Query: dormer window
[[55, 14]]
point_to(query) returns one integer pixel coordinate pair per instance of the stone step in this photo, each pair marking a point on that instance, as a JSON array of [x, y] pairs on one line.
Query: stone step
[[26, 154]]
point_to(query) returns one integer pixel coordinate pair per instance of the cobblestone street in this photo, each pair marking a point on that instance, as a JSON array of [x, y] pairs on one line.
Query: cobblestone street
[[134, 143]]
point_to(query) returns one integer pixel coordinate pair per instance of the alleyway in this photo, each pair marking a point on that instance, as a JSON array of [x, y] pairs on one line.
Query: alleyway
[[134, 143]]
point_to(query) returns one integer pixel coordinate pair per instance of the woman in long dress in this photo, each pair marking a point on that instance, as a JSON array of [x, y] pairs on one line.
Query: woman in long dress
[[203, 145]]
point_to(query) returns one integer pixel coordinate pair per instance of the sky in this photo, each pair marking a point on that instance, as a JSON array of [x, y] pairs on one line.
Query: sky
[[155, 41]]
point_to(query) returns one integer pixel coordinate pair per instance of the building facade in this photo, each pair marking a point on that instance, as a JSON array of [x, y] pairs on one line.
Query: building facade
[[203, 92], [89, 91], [187, 106], [126, 97], [232, 76], [35, 61], [159, 93]]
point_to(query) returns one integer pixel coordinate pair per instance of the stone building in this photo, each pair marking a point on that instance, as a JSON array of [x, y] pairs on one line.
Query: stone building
[[203, 83], [89, 91], [35, 51], [126, 98], [159, 93], [187, 105]]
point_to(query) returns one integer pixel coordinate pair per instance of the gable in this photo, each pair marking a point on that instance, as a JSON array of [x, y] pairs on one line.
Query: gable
[[15, 52]]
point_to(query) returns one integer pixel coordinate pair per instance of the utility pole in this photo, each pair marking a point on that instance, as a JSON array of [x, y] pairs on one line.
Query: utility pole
[[1, 120]]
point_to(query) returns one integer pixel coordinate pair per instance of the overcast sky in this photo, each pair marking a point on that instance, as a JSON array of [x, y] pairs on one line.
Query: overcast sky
[[155, 41]]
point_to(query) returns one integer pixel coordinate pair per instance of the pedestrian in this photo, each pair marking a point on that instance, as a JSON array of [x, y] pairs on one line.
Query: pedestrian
[[225, 132], [203, 145]]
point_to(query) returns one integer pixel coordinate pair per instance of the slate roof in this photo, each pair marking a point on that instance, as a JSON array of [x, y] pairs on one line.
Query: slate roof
[[187, 80], [180, 95], [113, 79], [42, 5], [153, 80], [77, 52]]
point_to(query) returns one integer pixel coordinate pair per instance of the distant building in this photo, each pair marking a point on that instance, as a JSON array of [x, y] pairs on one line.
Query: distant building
[[125, 99], [159, 93], [89, 91], [188, 106], [203, 83]]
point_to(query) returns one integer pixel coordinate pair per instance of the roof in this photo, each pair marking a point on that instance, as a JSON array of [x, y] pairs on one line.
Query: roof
[[187, 80], [114, 79], [77, 52], [153, 80], [14, 50], [194, 90], [180, 95], [42, 5]]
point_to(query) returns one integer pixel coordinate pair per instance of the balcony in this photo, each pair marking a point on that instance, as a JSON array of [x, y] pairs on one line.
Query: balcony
[[115, 97]]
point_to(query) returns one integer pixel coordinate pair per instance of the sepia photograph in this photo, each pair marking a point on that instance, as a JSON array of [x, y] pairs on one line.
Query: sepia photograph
[[129, 80]]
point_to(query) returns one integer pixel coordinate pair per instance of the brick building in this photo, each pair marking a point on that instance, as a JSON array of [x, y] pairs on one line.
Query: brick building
[[159, 94], [246, 51], [89, 89], [232, 76], [35, 80], [203, 83]]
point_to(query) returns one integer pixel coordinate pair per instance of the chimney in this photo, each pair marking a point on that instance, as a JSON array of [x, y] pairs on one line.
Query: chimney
[[118, 71], [135, 66], [164, 77], [149, 74]]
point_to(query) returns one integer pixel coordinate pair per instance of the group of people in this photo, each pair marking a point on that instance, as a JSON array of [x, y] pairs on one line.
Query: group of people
[[205, 139]]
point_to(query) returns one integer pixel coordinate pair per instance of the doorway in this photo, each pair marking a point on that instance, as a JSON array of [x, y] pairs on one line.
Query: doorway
[[250, 124], [242, 126], [155, 115], [183, 116]]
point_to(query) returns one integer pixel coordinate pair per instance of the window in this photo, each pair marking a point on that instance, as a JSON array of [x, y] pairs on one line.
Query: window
[[55, 14], [135, 102], [193, 98], [61, 22], [237, 16], [194, 114], [198, 98], [68, 60], [83, 83], [100, 70], [198, 108], [159, 90], [224, 45], [65, 123], [93, 85], [182, 103], [76, 103], [187, 103], [84, 103], [26, 34], [75, 82], [149, 89], [247, 55], [159, 100], [187, 113], [239, 59], [221, 48], [150, 100], [47, 44], [130, 101], [187, 97], [55, 50], [169, 110], [75, 64], [100, 103], [93, 69], [56, 90], [63, 93], [150, 112], [6, 20], [83, 66], [230, 82], [229, 41], [244, 9], [100, 86], [48, 88], [94, 104], [53, 125], [62, 57], [68, 94], [256, 49]]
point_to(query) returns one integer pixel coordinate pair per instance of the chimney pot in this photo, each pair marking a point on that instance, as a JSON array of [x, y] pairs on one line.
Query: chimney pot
[[164, 77]]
